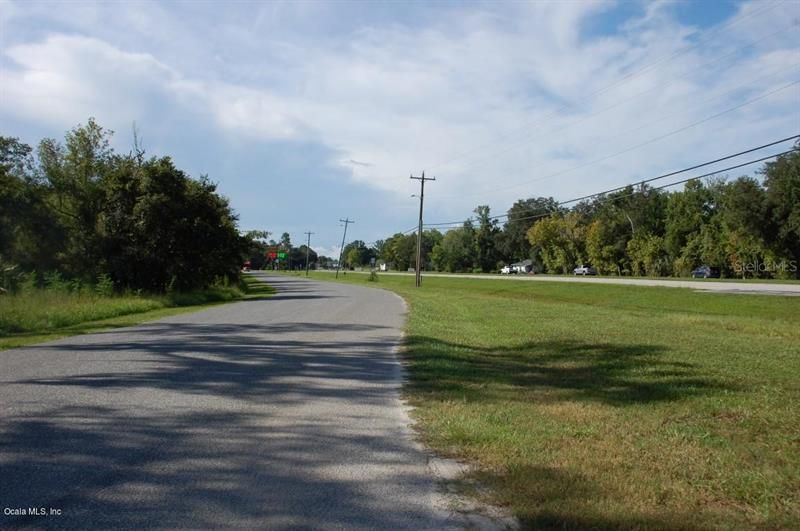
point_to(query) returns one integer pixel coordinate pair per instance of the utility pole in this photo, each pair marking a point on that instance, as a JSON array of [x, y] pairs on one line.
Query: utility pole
[[308, 248], [346, 222], [419, 232]]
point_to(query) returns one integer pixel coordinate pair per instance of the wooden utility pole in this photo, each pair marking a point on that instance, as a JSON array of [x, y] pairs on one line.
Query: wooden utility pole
[[346, 222], [308, 248], [419, 231]]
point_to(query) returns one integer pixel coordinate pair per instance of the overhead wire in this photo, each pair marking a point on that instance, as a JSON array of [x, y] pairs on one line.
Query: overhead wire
[[492, 155], [622, 80], [451, 224], [648, 141]]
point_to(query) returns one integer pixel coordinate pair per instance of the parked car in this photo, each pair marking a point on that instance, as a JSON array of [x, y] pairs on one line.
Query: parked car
[[705, 272], [506, 270], [585, 270]]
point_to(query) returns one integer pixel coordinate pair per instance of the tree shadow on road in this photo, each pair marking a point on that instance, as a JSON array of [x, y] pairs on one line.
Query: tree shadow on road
[[216, 444]]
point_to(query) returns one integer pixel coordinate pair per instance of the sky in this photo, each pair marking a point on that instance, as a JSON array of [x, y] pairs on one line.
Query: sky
[[307, 112]]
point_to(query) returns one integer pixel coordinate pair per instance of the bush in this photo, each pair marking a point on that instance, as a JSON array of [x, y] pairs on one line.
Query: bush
[[53, 281], [104, 286]]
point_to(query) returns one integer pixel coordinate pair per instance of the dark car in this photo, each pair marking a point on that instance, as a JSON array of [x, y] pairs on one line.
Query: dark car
[[706, 272]]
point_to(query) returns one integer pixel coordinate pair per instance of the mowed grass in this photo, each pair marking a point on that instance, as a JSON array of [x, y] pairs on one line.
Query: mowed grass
[[611, 407], [41, 315]]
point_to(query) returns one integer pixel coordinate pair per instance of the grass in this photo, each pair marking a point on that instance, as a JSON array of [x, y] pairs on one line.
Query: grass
[[543, 276], [589, 406], [43, 315]]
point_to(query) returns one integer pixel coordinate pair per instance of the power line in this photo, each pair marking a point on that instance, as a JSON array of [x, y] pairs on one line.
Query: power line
[[453, 224], [491, 155], [696, 166], [649, 141], [619, 81]]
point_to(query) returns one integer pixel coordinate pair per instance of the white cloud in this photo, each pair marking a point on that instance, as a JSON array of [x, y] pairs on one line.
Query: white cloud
[[500, 97], [65, 79]]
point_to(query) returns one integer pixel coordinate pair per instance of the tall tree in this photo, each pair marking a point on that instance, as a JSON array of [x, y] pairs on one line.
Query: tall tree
[[485, 244], [523, 214], [560, 241], [782, 183]]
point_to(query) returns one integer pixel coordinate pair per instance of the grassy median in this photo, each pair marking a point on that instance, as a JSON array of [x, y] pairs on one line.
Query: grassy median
[[40, 315], [611, 407]]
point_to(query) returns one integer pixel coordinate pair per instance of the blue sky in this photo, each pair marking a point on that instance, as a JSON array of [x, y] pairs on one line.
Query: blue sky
[[307, 112]]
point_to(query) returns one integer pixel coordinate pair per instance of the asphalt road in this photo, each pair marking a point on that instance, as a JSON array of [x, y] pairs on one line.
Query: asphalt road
[[270, 414]]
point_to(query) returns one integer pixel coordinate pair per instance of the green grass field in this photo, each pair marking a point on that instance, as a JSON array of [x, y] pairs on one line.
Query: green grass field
[[43, 315], [590, 406]]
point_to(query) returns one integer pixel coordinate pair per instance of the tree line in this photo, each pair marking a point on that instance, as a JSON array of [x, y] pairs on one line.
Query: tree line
[[81, 209], [746, 227], [267, 253]]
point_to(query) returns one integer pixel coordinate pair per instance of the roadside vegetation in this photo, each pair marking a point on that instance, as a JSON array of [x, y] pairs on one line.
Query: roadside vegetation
[[89, 236], [590, 406], [82, 210], [747, 227], [60, 309]]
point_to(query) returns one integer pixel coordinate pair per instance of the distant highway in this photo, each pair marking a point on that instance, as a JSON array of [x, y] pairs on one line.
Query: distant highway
[[751, 288]]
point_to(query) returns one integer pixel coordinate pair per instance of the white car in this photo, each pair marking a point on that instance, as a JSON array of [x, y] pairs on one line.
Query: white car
[[506, 270], [585, 270]]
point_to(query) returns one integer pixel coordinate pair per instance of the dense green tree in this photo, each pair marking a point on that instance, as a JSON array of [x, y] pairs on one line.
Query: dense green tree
[[257, 242], [647, 255], [782, 184], [513, 243], [602, 249], [686, 212], [487, 255], [560, 241], [456, 251], [30, 235], [83, 210], [162, 230], [357, 254]]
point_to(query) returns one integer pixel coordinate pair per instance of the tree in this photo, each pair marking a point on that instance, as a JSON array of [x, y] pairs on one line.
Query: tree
[[782, 184], [357, 254], [560, 242], [162, 230], [647, 254], [29, 233], [85, 211], [456, 251], [487, 255], [523, 214], [74, 174], [400, 251], [257, 248], [286, 241], [601, 248], [686, 213]]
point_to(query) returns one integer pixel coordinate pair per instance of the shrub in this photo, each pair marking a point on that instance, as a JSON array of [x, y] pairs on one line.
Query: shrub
[[104, 286], [53, 281]]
